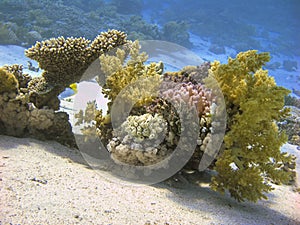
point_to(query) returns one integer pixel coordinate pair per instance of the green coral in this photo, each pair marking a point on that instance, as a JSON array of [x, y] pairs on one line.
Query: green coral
[[8, 82], [253, 141]]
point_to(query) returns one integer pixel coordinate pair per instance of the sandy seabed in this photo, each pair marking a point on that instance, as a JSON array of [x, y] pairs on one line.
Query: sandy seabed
[[47, 183]]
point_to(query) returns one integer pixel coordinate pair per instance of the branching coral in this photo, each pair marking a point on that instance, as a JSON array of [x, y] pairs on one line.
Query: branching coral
[[118, 75], [17, 71], [146, 104], [254, 103], [140, 90]]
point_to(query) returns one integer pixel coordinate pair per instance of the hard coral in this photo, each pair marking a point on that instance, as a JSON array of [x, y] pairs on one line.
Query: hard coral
[[137, 141], [254, 103], [20, 116], [65, 60], [17, 71]]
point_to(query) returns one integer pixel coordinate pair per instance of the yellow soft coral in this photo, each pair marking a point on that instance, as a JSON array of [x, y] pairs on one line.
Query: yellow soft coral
[[254, 103], [118, 76], [234, 76]]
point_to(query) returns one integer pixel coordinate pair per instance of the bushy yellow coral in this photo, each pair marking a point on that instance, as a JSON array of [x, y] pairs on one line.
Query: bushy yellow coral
[[120, 75], [253, 141], [234, 76]]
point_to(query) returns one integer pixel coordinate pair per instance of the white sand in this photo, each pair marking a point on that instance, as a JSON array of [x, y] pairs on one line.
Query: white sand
[[47, 183]]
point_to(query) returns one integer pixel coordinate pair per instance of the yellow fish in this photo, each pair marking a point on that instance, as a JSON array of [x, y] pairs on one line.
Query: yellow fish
[[74, 87]]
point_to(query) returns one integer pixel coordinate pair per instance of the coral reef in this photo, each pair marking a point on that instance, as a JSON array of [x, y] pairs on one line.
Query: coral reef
[[176, 32], [253, 141], [143, 124], [128, 7], [250, 155], [20, 117], [40, 20], [29, 105], [7, 34], [137, 28], [143, 91]]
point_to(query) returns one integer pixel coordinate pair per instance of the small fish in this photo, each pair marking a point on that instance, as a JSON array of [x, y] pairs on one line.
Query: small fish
[[74, 87], [69, 91]]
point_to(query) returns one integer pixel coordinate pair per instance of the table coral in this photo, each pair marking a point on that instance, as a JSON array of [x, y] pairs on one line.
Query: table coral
[[28, 105], [64, 60]]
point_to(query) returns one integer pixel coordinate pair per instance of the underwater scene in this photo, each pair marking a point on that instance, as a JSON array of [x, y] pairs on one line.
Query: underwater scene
[[149, 112]]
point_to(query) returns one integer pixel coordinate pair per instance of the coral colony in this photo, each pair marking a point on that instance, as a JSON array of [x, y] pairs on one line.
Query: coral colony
[[249, 157]]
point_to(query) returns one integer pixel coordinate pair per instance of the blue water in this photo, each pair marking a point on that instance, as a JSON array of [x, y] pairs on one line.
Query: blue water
[[265, 25], [213, 29]]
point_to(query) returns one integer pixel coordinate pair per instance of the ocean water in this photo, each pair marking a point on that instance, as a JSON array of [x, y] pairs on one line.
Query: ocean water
[[212, 29]]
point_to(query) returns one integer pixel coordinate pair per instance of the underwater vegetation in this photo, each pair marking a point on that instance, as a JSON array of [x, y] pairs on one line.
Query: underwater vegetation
[[249, 158]]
